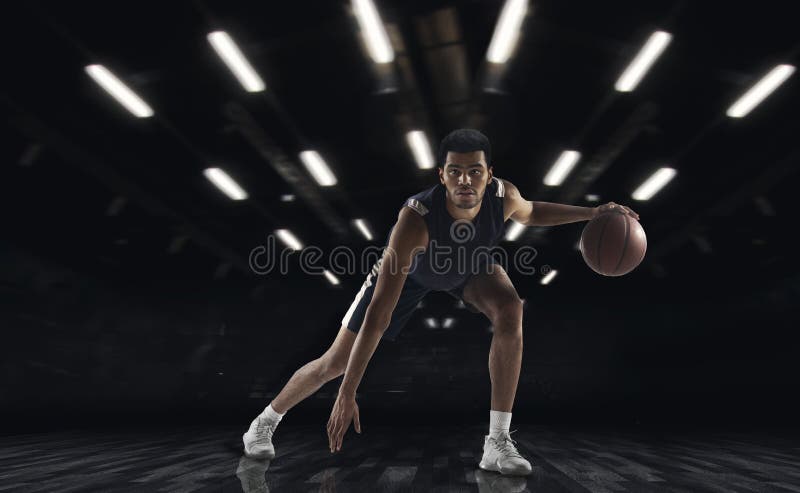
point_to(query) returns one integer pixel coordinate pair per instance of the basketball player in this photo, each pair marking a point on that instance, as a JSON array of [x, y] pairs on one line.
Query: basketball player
[[468, 196]]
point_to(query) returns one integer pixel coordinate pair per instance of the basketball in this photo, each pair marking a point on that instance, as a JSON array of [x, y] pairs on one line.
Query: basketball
[[613, 243]]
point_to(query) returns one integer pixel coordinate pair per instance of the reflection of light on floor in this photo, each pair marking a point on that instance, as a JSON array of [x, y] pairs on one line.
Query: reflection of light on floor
[[192, 459]]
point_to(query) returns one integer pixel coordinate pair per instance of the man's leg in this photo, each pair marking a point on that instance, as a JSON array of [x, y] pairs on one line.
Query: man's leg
[[309, 378], [494, 295], [314, 374], [305, 381]]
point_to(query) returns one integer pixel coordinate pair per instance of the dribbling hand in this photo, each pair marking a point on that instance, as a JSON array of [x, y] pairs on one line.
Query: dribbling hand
[[614, 207]]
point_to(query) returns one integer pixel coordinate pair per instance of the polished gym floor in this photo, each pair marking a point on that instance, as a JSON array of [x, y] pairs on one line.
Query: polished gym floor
[[401, 459]]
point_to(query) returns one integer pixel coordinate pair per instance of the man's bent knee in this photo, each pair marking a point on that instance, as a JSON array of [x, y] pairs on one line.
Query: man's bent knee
[[334, 361], [333, 364], [328, 369], [507, 316]]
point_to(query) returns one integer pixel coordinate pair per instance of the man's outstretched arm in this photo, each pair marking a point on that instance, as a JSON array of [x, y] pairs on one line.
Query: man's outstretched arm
[[534, 213], [409, 237]]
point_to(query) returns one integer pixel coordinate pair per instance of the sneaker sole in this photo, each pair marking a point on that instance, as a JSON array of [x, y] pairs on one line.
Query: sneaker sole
[[493, 467]]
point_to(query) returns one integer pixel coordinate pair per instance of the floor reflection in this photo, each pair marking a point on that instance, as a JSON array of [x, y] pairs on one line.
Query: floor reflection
[[492, 482], [252, 474], [393, 460]]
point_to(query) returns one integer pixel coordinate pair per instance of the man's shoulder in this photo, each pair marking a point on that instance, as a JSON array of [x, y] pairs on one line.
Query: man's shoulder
[[423, 202], [412, 227]]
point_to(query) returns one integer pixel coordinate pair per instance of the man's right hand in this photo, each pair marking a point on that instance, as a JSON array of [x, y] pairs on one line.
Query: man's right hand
[[344, 410]]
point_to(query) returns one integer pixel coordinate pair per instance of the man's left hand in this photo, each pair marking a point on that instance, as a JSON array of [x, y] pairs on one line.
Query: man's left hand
[[614, 207]]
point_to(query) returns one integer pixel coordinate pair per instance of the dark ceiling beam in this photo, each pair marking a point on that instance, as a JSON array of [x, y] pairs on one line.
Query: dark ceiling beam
[[198, 154], [95, 166], [284, 166], [594, 166], [772, 175], [603, 158], [270, 151], [420, 77]]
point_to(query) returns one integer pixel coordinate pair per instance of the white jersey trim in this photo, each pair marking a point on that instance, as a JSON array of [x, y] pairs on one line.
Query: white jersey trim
[[501, 188], [417, 206]]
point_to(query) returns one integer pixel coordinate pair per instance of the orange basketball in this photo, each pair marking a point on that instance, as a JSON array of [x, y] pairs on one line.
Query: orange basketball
[[613, 243]]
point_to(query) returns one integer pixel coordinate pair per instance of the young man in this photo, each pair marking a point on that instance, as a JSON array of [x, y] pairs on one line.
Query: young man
[[465, 213]]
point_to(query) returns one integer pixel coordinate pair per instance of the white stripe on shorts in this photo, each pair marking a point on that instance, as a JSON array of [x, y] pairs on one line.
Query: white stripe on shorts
[[359, 295]]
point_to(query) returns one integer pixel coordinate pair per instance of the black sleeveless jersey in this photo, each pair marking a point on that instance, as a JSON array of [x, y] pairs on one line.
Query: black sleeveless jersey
[[459, 248]]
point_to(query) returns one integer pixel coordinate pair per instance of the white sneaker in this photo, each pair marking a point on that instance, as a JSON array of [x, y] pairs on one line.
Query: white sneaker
[[258, 439], [500, 454]]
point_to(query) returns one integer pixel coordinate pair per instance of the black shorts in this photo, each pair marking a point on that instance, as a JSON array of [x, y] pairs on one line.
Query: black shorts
[[410, 296]]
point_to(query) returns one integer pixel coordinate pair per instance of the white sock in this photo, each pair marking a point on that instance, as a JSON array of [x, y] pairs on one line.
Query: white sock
[[499, 422], [272, 415]]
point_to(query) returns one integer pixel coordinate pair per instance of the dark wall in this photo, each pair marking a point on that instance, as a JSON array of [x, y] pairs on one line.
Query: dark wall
[[94, 351]]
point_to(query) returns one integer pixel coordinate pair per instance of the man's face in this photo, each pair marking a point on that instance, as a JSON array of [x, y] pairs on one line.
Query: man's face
[[465, 175]]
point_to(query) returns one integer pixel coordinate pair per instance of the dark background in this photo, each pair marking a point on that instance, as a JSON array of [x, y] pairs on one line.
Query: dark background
[[125, 294]]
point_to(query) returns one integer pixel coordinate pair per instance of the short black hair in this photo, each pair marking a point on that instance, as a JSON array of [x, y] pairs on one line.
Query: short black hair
[[465, 140]]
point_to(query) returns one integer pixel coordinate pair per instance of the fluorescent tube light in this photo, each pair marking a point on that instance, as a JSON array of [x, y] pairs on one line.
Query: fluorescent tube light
[[548, 277], [380, 50], [561, 168], [236, 61], [506, 32], [289, 239], [318, 168], [514, 231], [641, 63], [119, 91], [225, 183], [652, 185], [331, 278], [760, 91], [362, 226], [420, 148]]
